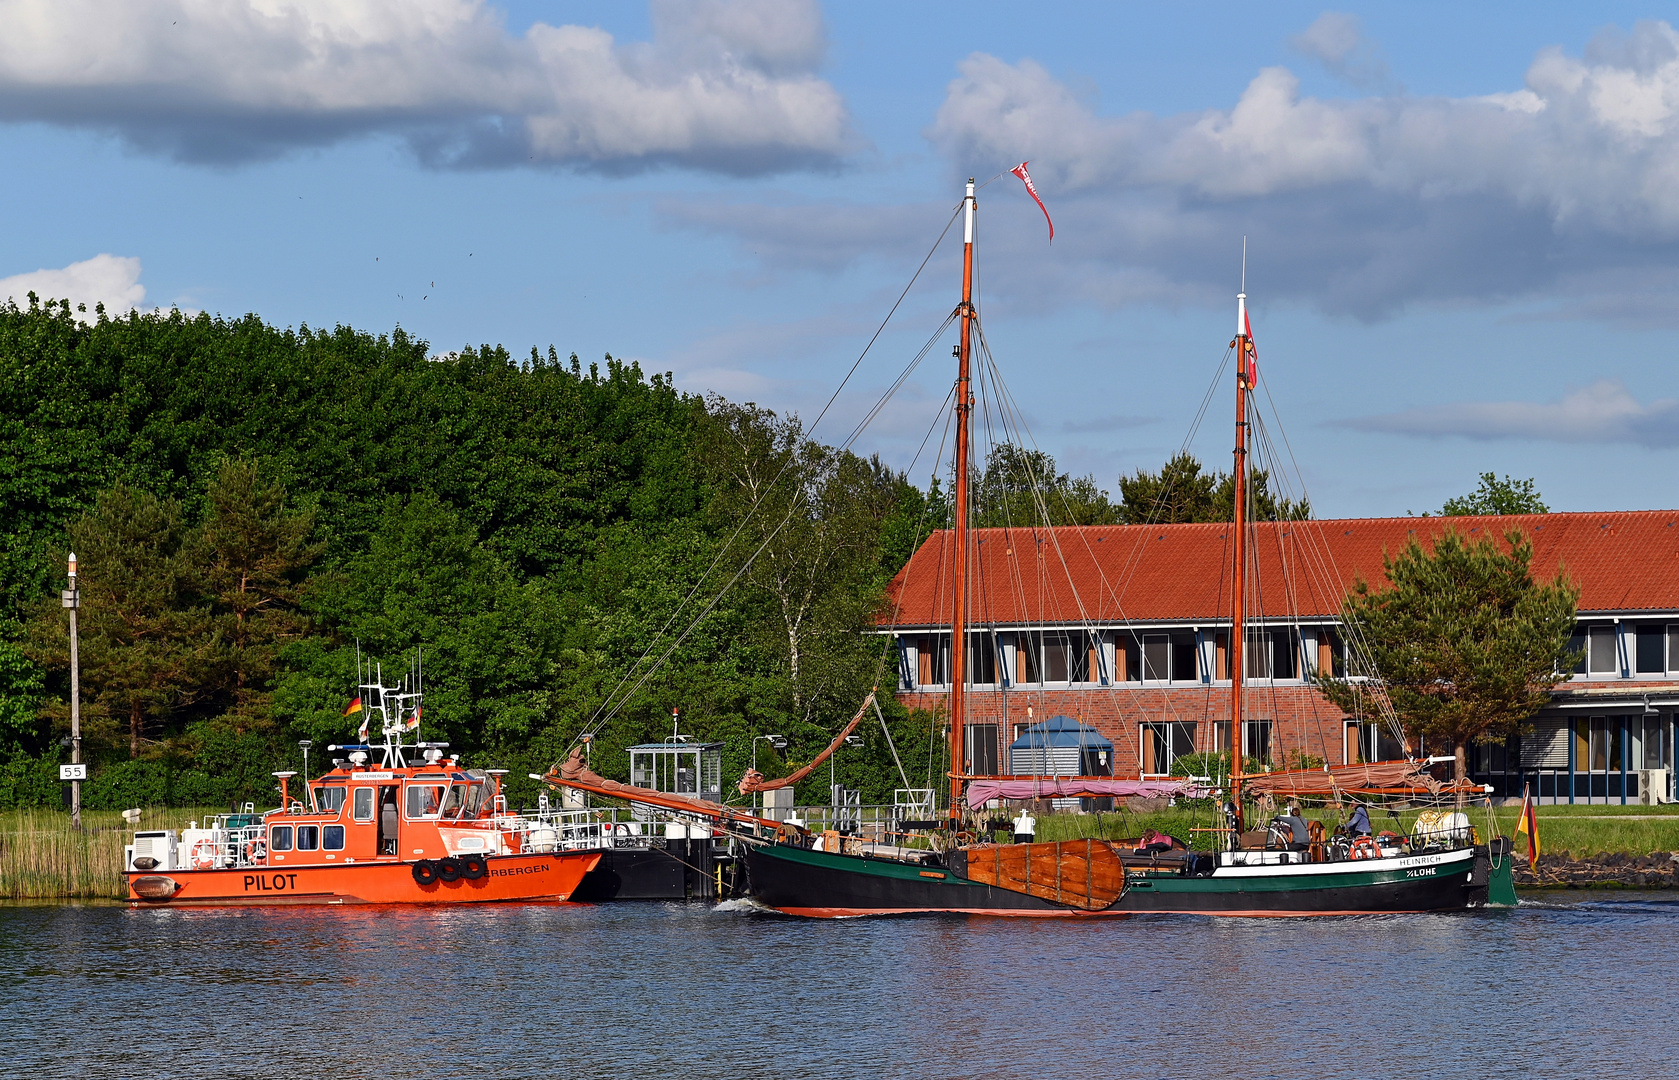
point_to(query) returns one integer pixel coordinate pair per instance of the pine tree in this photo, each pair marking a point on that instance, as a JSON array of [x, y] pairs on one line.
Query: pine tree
[[254, 553], [145, 641]]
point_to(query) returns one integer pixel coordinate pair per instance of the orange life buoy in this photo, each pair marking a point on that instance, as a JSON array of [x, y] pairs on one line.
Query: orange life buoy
[[1364, 848], [256, 851], [204, 854]]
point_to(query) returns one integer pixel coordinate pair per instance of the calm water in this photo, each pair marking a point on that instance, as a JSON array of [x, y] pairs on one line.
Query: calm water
[[1555, 989]]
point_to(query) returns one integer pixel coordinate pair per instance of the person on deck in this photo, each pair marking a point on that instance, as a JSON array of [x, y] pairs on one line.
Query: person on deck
[[1302, 838], [1360, 823], [1025, 827]]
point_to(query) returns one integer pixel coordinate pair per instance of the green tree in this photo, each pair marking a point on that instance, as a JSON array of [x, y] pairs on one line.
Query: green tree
[[1465, 642], [146, 647], [811, 520], [1021, 487], [1181, 493], [253, 553], [1496, 496]]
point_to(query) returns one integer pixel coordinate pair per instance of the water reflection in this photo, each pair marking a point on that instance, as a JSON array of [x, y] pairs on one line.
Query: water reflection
[[656, 990]]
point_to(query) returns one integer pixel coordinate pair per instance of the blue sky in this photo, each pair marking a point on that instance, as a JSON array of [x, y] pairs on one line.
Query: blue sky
[[1463, 220]]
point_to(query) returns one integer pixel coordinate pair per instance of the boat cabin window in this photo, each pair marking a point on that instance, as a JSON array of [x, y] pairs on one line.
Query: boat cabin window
[[454, 803], [308, 837], [332, 838], [423, 800], [477, 797], [279, 838], [364, 804], [329, 798]]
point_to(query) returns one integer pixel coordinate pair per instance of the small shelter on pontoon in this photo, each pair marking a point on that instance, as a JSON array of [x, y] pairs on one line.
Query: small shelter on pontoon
[[1061, 746]]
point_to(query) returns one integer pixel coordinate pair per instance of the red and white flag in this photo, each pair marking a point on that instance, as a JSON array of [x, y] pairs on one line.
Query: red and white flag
[[1032, 190]]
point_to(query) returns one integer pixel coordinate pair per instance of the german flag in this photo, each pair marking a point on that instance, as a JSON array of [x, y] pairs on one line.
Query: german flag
[[1529, 823], [353, 707]]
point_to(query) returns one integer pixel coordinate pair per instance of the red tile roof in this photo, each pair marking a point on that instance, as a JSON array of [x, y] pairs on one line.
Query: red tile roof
[[1110, 574]]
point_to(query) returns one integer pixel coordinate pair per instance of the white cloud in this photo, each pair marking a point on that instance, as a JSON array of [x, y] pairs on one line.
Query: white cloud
[[727, 85], [1336, 40], [112, 280], [1357, 206], [1604, 412]]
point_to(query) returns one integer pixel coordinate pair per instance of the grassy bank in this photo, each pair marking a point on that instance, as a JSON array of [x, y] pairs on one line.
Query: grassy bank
[[1572, 831], [42, 858]]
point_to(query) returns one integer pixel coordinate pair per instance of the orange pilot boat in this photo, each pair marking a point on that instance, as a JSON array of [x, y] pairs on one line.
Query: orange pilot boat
[[389, 832]]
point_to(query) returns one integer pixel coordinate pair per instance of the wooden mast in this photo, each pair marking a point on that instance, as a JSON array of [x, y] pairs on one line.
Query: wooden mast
[[959, 609], [1238, 578]]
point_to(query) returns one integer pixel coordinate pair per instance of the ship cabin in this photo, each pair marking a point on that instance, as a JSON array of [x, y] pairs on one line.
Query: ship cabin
[[358, 813]]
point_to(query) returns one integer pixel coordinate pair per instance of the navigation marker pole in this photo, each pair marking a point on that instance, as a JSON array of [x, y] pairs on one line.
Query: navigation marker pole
[[72, 600]]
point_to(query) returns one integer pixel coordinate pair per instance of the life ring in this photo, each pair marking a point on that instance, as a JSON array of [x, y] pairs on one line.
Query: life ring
[[449, 869], [425, 872], [204, 854], [473, 867], [256, 851], [1364, 848]]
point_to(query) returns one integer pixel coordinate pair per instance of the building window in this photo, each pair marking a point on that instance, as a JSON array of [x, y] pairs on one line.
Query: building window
[[1368, 741], [982, 749], [1600, 651], [1650, 649], [1256, 740], [1169, 658], [1163, 743], [982, 658], [1055, 656], [1332, 654], [1157, 657], [1128, 658], [926, 660], [1272, 654]]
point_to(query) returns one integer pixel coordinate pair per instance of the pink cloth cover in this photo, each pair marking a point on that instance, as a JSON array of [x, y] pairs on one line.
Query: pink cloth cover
[[981, 792]]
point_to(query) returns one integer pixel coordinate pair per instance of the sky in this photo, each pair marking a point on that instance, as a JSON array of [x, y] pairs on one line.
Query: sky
[[1461, 221]]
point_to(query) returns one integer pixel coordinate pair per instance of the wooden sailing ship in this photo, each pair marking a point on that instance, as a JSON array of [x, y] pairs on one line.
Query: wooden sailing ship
[[1086, 878]]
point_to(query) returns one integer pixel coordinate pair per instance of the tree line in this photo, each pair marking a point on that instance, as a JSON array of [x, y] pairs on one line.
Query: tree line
[[252, 506]]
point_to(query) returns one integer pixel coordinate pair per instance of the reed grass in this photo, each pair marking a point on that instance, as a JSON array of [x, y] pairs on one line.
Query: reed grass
[[43, 858]]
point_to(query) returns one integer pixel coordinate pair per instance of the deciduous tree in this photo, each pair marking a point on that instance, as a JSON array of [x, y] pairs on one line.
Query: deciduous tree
[[1464, 640]]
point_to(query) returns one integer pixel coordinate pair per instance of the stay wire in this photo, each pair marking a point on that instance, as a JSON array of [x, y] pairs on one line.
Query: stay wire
[[596, 722]]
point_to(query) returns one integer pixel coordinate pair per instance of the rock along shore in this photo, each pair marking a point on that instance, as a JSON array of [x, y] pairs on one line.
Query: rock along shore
[[1606, 870]]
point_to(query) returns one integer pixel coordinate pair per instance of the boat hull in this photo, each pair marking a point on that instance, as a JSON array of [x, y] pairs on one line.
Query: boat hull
[[819, 884], [1433, 882], [523, 877]]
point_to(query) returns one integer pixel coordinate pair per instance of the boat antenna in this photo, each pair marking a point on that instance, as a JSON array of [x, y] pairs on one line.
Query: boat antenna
[[959, 538]]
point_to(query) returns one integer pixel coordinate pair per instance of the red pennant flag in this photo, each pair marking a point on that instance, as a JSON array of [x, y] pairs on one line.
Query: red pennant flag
[[1252, 357], [1032, 190]]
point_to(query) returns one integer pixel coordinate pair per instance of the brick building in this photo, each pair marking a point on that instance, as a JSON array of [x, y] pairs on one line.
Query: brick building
[[1127, 629]]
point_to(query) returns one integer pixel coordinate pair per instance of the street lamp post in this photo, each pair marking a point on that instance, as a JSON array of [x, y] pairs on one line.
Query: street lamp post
[[72, 600]]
